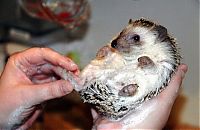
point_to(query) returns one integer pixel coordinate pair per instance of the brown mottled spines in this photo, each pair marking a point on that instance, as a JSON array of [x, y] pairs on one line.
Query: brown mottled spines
[[175, 49], [142, 22]]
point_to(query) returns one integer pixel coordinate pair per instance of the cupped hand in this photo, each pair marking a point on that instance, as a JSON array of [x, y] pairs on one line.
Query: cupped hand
[[152, 114], [30, 78]]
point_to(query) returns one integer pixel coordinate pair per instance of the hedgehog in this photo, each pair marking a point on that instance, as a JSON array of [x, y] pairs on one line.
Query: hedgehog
[[133, 68]]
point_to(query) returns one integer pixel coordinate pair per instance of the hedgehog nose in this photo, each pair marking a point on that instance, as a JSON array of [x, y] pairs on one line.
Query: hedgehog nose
[[114, 44]]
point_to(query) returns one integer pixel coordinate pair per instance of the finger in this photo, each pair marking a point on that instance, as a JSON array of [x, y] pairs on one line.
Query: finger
[[30, 121], [74, 80], [47, 91], [50, 73], [39, 55], [53, 57], [171, 92], [104, 124], [42, 81], [61, 72], [94, 114], [76, 72]]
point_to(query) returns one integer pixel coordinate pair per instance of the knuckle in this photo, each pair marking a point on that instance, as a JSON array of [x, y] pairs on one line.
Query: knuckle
[[57, 90], [45, 49], [62, 89], [33, 50], [14, 57], [48, 51], [39, 50]]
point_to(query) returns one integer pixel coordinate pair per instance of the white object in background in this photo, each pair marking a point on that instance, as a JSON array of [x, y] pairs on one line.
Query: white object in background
[[12, 47], [2, 57]]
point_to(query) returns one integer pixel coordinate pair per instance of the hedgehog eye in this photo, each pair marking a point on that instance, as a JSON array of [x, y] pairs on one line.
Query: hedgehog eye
[[133, 38], [136, 38]]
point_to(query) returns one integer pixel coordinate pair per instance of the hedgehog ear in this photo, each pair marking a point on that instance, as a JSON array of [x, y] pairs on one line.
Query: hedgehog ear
[[130, 21], [162, 32]]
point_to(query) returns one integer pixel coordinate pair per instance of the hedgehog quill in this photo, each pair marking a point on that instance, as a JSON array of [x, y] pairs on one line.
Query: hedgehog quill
[[133, 68]]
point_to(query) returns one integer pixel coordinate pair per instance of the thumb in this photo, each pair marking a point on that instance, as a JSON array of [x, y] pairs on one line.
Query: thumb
[[47, 91], [171, 92]]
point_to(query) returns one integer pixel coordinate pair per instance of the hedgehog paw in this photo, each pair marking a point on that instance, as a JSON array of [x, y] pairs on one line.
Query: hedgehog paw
[[145, 61], [128, 90]]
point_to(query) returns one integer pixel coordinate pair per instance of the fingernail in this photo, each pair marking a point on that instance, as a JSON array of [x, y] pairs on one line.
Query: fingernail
[[182, 74], [73, 65], [184, 68], [94, 114]]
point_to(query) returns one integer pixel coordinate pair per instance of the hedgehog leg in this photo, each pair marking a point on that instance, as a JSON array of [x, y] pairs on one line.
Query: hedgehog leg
[[145, 61], [103, 52], [128, 90]]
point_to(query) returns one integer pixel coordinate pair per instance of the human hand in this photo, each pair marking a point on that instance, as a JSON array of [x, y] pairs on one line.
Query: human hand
[[30, 78], [152, 114]]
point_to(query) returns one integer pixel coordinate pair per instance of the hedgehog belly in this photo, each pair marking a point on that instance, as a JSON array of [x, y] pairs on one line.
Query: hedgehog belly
[[103, 90]]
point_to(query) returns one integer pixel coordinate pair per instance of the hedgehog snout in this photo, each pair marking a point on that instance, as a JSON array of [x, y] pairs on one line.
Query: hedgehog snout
[[121, 45], [114, 44]]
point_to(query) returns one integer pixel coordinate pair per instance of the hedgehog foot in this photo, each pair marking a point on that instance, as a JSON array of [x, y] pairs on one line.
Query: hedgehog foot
[[128, 90]]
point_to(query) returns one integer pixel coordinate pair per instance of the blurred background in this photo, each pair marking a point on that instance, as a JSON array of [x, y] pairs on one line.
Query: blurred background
[[100, 21]]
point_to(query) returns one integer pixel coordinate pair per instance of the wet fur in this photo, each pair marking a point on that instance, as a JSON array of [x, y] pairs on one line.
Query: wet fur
[[148, 63]]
